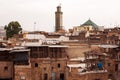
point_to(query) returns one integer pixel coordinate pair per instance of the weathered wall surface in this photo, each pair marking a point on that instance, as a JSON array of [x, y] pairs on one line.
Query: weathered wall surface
[[6, 69]]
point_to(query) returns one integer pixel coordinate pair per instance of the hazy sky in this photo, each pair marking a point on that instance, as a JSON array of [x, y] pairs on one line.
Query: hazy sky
[[75, 12]]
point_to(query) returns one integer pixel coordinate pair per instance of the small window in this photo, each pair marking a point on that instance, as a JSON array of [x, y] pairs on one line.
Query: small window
[[6, 68], [36, 64], [58, 65], [109, 75], [108, 64], [52, 68], [44, 68]]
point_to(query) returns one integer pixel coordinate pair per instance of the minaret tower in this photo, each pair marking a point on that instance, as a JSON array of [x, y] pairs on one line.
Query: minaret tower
[[58, 19]]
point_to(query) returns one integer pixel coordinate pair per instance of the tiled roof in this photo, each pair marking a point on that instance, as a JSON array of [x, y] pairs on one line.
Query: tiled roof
[[89, 22]]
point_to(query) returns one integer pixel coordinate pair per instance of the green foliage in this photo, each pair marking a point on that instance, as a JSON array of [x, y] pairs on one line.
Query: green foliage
[[12, 28]]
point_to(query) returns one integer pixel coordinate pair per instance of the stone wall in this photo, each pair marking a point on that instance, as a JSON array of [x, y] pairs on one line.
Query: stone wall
[[22, 72], [6, 69], [44, 68], [88, 76]]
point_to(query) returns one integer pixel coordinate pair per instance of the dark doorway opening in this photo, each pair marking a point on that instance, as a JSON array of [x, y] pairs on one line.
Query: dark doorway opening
[[62, 76], [116, 67], [45, 77], [6, 79], [97, 79]]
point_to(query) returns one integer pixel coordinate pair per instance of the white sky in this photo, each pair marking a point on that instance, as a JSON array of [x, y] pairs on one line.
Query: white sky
[[75, 12]]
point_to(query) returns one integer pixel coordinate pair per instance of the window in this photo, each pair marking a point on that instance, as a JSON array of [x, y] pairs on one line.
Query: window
[[108, 64], [96, 79], [109, 75], [36, 64], [52, 68], [58, 65], [5, 68], [34, 48], [116, 67], [44, 68]]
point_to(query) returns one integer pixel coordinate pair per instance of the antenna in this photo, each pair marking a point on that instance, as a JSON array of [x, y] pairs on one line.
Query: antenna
[[34, 26], [34, 29]]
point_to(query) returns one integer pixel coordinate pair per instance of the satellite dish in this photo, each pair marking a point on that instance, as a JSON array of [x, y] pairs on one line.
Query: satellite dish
[[100, 65]]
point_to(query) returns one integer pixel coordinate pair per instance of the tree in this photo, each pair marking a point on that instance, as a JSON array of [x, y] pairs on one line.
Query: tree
[[12, 28]]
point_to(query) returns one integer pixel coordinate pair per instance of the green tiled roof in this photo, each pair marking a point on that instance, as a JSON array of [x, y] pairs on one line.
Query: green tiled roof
[[91, 23]]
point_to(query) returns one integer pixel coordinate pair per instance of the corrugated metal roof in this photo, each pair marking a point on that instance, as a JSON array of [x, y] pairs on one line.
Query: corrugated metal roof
[[108, 46], [5, 49], [35, 36], [57, 46], [77, 58], [21, 50], [82, 65]]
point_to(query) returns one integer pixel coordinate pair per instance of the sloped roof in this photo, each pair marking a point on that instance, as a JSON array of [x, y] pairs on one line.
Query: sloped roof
[[89, 22]]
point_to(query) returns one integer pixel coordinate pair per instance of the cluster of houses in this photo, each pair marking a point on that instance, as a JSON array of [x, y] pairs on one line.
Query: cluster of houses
[[54, 56], [86, 52]]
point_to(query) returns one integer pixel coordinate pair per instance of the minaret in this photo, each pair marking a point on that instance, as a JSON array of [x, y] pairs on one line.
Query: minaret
[[58, 19]]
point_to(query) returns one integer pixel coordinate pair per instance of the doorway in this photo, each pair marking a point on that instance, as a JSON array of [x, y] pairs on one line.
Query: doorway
[[116, 67], [6, 79], [45, 77], [61, 76]]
